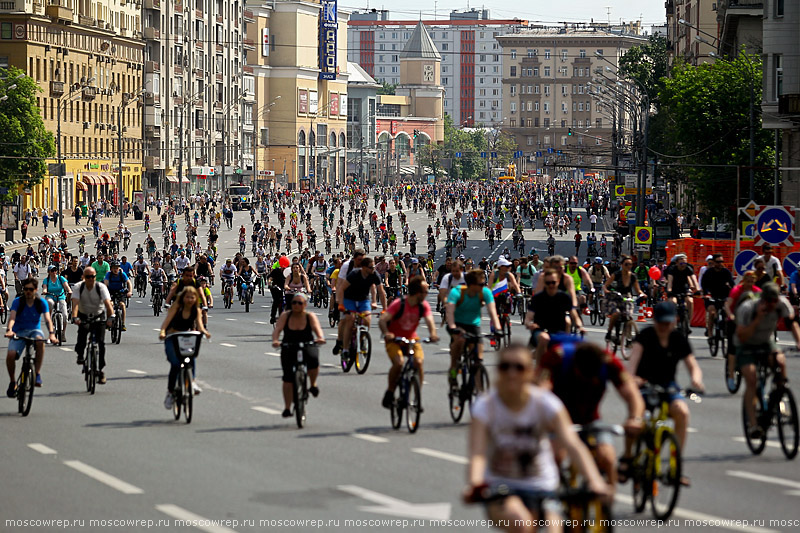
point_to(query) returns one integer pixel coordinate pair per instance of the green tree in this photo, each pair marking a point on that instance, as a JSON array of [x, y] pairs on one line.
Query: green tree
[[387, 88], [24, 141], [648, 64], [704, 112]]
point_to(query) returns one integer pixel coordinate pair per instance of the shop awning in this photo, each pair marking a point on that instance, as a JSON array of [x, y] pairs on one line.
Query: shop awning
[[81, 186], [109, 179], [172, 178], [185, 180], [91, 178]]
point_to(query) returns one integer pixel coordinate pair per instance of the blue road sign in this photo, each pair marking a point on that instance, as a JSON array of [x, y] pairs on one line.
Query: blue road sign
[[775, 225], [549, 150], [494, 155], [538, 154], [631, 216], [458, 154], [483, 155], [744, 261], [791, 263]]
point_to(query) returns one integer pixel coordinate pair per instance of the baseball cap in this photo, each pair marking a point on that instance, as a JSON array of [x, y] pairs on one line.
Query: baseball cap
[[709, 258], [503, 262], [414, 261], [665, 312]]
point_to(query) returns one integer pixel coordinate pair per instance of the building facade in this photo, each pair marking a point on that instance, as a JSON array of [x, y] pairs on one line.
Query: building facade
[[87, 59], [740, 25], [471, 63], [682, 40], [362, 106], [547, 100]]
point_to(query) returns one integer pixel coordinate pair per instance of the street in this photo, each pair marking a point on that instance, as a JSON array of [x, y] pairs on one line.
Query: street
[[119, 461]]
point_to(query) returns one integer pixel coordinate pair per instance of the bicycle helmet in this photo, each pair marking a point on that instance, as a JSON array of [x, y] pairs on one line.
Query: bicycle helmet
[[114, 263], [201, 279], [52, 268], [598, 260]]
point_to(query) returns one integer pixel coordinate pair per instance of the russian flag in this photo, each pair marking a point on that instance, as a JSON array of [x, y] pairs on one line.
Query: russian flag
[[500, 287]]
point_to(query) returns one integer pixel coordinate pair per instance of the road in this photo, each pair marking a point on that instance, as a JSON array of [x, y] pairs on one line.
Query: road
[[118, 456]]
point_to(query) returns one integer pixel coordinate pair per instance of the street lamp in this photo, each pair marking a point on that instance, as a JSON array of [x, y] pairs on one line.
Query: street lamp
[[120, 190], [224, 135], [256, 138]]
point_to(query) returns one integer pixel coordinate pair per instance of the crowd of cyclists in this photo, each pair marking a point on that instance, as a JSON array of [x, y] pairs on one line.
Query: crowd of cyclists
[[359, 259]]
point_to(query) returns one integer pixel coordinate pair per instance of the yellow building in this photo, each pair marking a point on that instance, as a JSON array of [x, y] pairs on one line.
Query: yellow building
[[301, 57], [86, 58]]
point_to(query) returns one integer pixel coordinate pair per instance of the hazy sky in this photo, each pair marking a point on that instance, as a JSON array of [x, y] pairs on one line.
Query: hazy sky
[[650, 11]]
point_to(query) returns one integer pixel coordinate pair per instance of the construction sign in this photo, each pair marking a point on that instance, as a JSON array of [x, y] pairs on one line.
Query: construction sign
[[774, 224]]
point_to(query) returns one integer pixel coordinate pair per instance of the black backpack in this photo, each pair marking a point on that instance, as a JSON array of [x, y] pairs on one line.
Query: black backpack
[[38, 304]]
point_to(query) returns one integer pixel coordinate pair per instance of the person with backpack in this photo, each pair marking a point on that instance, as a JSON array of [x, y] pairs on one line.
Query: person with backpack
[[91, 298], [25, 320], [401, 320]]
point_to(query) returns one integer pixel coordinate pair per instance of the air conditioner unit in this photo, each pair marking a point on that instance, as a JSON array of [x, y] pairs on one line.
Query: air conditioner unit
[[86, 125], [102, 126], [109, 26]]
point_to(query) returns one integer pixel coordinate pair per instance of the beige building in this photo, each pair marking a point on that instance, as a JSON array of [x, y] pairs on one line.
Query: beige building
[[300, 71], [62, 45], [547, 75], [682, 41]]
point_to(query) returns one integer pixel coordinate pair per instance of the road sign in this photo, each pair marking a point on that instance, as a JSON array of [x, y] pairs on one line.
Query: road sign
[[619, 190], [775, 225], [639, 247], [643, 235], [458, 154], [494, 155], [631, 216], [748, 230], [751, 208], [550, 150], [630, 180], [483, 155], [791, 263], [744, 261]]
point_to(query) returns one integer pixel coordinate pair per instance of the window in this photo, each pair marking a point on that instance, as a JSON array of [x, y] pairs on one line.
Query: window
[[513, 73], [3, 61], [547, 90], [395, 58], [6, 30], [546, 107], [564, 107], [582, 53], [394, 35], [563, 123], [778, 75], [445, 81], [482, 57], [513, 90], [444, 35], [536, 72], [513, 107], [445, 46], [563, 55], [599, 52], [380, 58], [264, 136], [563, 140], [598, 123], [546, 72], [547, 125], [535, 89], [495, 57], [778, 9], [529, 140], [547, 53], [535, 106], [530, 53]]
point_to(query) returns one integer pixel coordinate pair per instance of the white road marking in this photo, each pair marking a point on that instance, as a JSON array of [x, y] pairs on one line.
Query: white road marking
[[329, 365], [134, 371], [156, 329], [138, 301], [132, 324], [265, 306], [262, 323], [441, 455], [65, 349], [370, 438], [102, 477], [225, 344], [691, 430], [41, 448], [266, 410], [764, 479], [201, 523], [231, 319], [769, 443], [273, 354]]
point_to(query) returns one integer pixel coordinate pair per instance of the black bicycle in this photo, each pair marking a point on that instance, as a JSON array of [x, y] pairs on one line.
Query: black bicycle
[[158, 298], [141, 284], [333, 311], [27, 375], [408, 393], [187, 347], [116, 322], [4, 308], [91, 358], [472, 378], [717, 340], [300, 383], [597, 313], [684, 319], [59, 320]]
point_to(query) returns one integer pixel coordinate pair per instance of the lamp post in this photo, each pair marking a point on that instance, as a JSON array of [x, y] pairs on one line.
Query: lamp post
[[224, 145], [120, 190], [10, 232], [256, 138]]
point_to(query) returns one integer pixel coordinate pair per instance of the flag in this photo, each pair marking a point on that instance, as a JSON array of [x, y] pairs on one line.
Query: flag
[[500, 287]]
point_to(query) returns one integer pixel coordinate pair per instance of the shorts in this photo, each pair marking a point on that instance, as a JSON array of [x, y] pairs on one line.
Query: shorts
[[18, 345], [469, 328], [357, 306], [289, 359], [751, 355], [395, 352], [535, 334], [673, 392], [538, 502]]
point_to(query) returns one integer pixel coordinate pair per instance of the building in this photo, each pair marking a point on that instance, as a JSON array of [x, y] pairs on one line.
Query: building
[[300, 78], [194, 54], [546, 93], [362, 106], [740, 25], [682, 40], [86, 58], [470, 56]]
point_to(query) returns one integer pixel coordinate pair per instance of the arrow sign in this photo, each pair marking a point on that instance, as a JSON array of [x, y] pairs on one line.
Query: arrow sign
[[775, 225], [392, 506], [791, 263], [744, 261]]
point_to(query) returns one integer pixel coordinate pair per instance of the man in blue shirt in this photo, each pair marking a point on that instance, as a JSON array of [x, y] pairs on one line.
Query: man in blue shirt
[[24, 320], [119, 284], [126, 266]]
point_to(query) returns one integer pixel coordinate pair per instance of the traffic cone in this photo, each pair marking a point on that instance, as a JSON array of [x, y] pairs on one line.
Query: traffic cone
[[640, 315]]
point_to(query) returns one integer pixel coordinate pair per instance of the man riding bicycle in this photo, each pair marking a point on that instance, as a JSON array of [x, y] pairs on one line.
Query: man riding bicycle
[[119, 285], [356, 297], [681, 281], [716, 283]]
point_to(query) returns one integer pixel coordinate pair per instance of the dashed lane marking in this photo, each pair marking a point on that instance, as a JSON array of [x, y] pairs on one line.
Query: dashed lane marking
[[262, 323], [266, 410], [231, 319], [764, 479], [273, 354], [370, 438], [132, 324], [64, 349], [453, 458], [769, 443], [41, 448], [225, 344], [102, 477], [199, 522], [138, 372]]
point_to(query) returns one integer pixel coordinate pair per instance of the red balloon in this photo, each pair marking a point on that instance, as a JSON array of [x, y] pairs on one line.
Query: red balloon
[[283, 261], [655, 273]]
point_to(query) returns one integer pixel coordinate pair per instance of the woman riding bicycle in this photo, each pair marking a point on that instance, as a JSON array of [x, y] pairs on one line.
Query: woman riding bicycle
[[296, 282], [56, 288], [183, 315]]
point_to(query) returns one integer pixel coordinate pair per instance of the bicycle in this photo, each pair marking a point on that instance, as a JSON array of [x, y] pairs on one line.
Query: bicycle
[[683, 318], [157, 299], [141, 285], [408, 393], [596, 308], [625, 330], [656, 465], [472, 378], [718, 339], [320, 294], [360, 346], [27, 374], [503, 312], [92, 353], [333, 311], [522, 307], [59, 320], [775, 405], [227, 293], [300, 383], [187, 347], [246, 294], [116, 323]]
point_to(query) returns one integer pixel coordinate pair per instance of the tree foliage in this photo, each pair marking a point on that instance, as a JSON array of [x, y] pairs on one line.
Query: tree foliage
[[470, 142], [648, 64], [387, 88], [24, 141]]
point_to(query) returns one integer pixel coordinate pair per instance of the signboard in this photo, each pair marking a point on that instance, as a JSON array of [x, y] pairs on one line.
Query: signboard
[[748, 230], [775, 225], [751, 208], [265, 42], [333, 108], [630, 180], [313, 102], [266, 173], [327, 39], [9, 218], [631, 216], [744, 261], [431, 179], [639, 247], [343, 105], [138, 200], [302, 101], [643, 234], [619, 190], [791, 263]]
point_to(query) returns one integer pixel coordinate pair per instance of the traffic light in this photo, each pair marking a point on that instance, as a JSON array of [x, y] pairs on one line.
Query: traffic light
[[569, 132], [416, 132]]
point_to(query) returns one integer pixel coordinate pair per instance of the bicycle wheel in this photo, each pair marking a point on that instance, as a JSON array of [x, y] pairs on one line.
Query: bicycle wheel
[[737, 376], [4, 311], [118, 327], [593, 313], [522, 311], [756, 445], [188, 394], [247, 299], [713, 342], [640, 474], [300, 395], [480, 382], [58, 327], [667, 478], [414, 407], [364, 354], [332, 318], [324, 294], [25, 387], [456, 397], [786, 415], [624, 350], [601, 315], [396, 410], [92, 368], [506, 332]]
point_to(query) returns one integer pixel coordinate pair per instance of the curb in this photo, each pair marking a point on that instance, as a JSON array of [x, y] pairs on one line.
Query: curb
[[73, 231]]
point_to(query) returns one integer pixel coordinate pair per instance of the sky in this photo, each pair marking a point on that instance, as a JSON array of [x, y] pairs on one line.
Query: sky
[[649, 11]]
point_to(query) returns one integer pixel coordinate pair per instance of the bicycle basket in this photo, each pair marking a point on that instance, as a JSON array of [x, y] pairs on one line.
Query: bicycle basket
[[187, 344]]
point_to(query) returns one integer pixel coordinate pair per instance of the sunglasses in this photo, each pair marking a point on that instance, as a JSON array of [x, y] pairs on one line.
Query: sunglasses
[[26, 289], [89, 276], [573, 264], [505, 366], [550, 282]]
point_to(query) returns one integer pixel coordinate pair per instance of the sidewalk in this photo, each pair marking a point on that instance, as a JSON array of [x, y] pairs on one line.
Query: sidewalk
[[35, 233]]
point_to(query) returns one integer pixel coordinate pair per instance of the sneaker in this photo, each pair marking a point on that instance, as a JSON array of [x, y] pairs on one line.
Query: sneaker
[[11, 392], [286, 413], [38, 381], [337, 347], [755, 433], [196, 389], [169, 401], [80, 360], [388, 399], [731, 383], [124, 328], [608, 337], [101, 377], [314, 391]]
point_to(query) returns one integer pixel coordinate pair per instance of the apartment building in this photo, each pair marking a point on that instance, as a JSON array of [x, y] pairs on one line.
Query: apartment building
[[471, 67], [682, 40], [195, 93], [547, 92], [87, 59]]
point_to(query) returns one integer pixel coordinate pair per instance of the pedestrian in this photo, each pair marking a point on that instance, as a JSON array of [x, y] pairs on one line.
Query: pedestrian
[[55, 216], [35, 216], [578, 238], [24, 229], [77, 215], [45, 220]]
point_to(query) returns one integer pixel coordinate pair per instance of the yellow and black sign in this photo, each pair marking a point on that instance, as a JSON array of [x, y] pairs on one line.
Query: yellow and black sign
[[644, 235], [619, 190]]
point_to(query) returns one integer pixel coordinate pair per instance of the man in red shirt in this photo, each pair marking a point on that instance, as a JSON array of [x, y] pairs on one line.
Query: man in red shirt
[[401, 320]]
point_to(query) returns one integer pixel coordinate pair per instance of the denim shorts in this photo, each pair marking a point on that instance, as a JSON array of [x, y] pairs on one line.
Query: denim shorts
[[18, 345], [357, 306]]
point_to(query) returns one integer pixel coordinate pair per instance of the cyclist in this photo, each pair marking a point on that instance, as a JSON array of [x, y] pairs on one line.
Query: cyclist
[[625, 285], [655, 354], [547, 313], [181, 261], [57, 288], [756, 324], [525, 274], [580, 279], [454, 279], [119, 285], [277, 281], [503, 283], [247, 275], [509, 445], [356, 290], [401, 320], [157, 279], [183, 315], [140, 268], [187, 280], [577, 373], [25, 320], [716, 283], [681, 280], [463, 310], [318, 267], [91, 298], [393, 279], [227, 273], [344, 270], [101, 267], [772, 265], [598, 274]]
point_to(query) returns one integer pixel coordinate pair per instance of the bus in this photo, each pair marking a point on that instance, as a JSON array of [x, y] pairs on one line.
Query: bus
[[241, 196]]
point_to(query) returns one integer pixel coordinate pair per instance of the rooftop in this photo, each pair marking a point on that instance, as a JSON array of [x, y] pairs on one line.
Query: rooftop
[[420, 45]]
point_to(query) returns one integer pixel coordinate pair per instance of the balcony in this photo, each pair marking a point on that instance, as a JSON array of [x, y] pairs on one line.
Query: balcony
[[152, 4], [177, 100], [57, 12], [151, 67], [789, 104], [89, 93], [152, 34], [56, 88], [177, 70], [198, 103], [198, 13], [199, 72], [248, 16], [152, 131], [179, 6], [152, 162], [249, 44], [219, 76], [247, 69], [86, 21]]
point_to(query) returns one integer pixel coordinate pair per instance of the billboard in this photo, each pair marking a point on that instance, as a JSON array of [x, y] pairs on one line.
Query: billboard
[[327, 39]]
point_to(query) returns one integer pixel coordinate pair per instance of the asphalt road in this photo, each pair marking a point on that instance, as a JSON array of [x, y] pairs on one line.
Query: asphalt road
[[109, 460]]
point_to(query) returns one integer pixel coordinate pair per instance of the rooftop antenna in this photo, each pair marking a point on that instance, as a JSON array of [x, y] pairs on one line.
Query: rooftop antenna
[[608, 10]]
